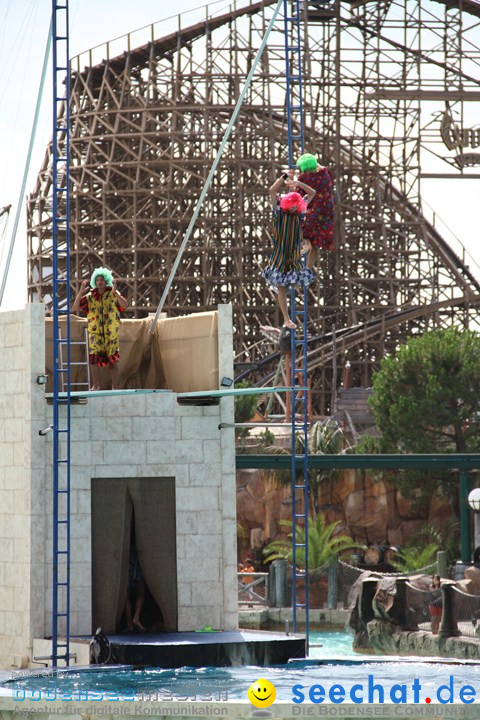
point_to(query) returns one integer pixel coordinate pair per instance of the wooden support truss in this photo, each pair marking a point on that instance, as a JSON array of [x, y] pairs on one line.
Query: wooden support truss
[[145, 128]]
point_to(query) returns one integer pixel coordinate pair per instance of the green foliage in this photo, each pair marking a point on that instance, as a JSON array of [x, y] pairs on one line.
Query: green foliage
[[323, 546], [416, 558], [242, 533], [245, 405], [266, 438], [324, 438], [241, 434], [425, 399], [368, 445], [446, 537]]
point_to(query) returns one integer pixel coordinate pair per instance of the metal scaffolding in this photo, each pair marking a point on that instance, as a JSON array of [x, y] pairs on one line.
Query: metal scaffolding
[[387, 94]]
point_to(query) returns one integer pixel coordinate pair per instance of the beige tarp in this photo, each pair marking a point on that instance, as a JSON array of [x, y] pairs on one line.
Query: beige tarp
[[181, 356]]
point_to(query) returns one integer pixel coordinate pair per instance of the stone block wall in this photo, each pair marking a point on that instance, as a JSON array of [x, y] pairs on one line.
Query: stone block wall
[[137, 436], [22, 485]]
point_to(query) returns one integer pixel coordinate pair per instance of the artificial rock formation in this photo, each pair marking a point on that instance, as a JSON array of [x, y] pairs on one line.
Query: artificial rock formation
[[371, 511]]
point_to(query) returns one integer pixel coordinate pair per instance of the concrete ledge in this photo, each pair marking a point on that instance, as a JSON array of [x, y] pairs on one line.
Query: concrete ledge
[[384, 639], [217, 649], [264, 618]]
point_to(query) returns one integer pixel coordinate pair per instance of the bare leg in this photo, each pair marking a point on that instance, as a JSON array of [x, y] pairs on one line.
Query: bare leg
[[282, 301], [312, 257], [94, 377], [115, 376], [139, 600]]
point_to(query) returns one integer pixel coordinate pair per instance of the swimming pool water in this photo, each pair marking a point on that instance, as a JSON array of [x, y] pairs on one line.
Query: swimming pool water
[[349, 668], [333, 644]]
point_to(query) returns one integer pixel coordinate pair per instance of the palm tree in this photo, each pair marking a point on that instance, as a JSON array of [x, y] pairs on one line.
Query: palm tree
[[324, 438], [415, 558], [323, 546]]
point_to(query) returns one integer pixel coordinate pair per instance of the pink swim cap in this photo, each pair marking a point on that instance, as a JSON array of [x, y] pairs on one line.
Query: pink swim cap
[[293, 202]]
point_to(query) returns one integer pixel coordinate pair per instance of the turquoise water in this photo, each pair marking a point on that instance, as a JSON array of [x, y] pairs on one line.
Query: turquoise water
[[349, 669], [334, 644]]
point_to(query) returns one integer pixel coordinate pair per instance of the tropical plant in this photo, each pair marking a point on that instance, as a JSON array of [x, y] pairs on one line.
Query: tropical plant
[[324, 438], [323, 545], [446, 537], [415, 558], [266, 438], [242, 533], [245, 406]]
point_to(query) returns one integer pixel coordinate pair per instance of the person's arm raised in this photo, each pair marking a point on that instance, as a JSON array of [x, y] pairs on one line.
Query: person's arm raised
[[84, 290], [275, 189], [310, 192], [123, 301]]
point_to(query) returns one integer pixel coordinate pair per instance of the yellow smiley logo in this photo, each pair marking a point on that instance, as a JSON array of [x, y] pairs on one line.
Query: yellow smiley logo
[[262, 693]]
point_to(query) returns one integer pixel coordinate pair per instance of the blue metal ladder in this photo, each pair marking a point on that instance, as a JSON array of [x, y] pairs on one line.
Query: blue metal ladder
[[61, 308], [299, 405], [294, 81]]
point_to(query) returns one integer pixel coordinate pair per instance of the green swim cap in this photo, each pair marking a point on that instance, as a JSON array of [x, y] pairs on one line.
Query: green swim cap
[[105, 273], [307, 162]]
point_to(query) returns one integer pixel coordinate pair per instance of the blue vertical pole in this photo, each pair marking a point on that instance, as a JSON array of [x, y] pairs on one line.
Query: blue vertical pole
[[293, 405], [61, 308], [299, 367], [304, 346], [294, 80], [295, 131]]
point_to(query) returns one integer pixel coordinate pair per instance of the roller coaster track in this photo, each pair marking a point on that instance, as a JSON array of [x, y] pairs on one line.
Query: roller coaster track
[[169, 44], [321, 346], [350, 336], [469, 6], [355, 334]]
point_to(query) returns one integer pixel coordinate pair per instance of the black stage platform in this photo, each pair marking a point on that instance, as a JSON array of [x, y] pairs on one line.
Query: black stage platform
[[202, 649]]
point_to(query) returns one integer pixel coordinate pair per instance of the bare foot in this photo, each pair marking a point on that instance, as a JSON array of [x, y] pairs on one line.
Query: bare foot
[[95, 387], [289, 324], [138, 625]]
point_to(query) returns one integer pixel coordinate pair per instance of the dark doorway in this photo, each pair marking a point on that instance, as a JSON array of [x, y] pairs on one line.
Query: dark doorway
[[143, 508]]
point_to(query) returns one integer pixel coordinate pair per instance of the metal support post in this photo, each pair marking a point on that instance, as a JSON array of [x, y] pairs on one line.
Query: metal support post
[[466, 549]]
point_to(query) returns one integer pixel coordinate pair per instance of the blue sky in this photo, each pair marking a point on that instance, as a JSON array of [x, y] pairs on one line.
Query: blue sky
[[23, 35]]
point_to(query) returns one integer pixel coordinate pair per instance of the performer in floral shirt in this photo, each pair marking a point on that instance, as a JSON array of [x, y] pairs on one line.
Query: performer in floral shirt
[[102, 304]]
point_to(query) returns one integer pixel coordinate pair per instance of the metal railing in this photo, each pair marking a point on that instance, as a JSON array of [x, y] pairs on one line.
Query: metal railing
[[252, 588]]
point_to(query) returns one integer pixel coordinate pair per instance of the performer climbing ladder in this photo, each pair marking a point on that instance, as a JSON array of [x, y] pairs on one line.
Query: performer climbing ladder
[[318, 225], [285, 266]]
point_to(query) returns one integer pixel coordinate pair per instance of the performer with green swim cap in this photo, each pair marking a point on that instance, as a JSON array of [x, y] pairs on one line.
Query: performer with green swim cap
[[318, 226], [102, 304]]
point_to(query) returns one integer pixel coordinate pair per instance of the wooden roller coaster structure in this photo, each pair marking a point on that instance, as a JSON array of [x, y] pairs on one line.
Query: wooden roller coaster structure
[[379, 79]]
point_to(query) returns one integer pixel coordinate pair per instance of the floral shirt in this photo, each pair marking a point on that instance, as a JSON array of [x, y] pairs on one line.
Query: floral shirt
[[103, 316]]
